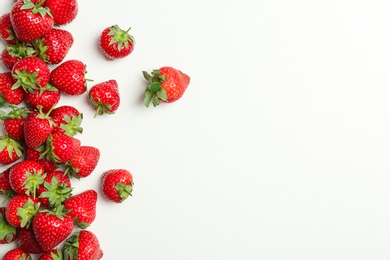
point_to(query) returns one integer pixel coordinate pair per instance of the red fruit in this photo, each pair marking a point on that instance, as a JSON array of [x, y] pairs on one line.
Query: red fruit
[[16, 254], [38, 156], [10, 150], [166, 84], [31, 73], [13, 123], [6, 30], [61, 147], [37, 128], [7, 231], [117, 185], [67, 120], [104, 97], [69, 77], [54, 46], [27, 241], [46, 98], [11, 96], [83, 162], [25, 177], [14, 52], [82, 208], [30, 20], [51, 228], [82, 245], [5, 188], [55, 254], [8, 59], [55, 189], [20, 210], [116, 43], [64, 11]]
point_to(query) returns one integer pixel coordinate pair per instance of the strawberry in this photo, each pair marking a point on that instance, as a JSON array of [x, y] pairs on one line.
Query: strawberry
[[26, 240], [52, 228], [17, 253], [116, 43], [61, 147], [14, 52], [37, 128], [24, 12], [37, 155], [13, 122], [8, 59], [83, 162], [5, 188], [6, 30], [46, 97], [7, 231], [26, 176], [82, 208], [82, 245], [167, 84], [55, 254], [31, 73], [64, 11], [117, 184], [104, 97], [67, 120], [55, 189], [20, 210], [69, 77], [11, 96], [54, 46], [10, 150]]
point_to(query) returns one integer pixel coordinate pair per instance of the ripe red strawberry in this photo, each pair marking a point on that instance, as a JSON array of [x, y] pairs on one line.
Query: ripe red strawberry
[[26, 241], [83, 162], [166, 84], [54, 46], [64, 11], [8, 59], [31, 73], [55, 189], [24, 12], [117, 185], [55, 254], [14, 52], [10, 150], [5, 188], [13, 122], [25, 177], [82, 245], [7, 231], [51, 228], [69, 77], [116, 43], [15, 254], [6, 30], [46, 97], [11, 96], [82, 208], [104, 97], [67, 120], [61, 147], [37, 128], [37, 155], [20, 210]]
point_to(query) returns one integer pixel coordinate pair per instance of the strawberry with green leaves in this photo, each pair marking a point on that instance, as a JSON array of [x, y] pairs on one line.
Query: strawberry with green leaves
[[10, 150], [83, 162], [10, 95], [82, 245], [20, 210], [38, 155], [26, 240], [55, 254], [64, 11], [5, 188], [55, 189], [37, 128], [61, 147], [82, 208], [15, 254], [6, 30], [67, 120], [116, 43], [7, 231], [104, 97], [46, 98], [13, 122], [117, 184], [14, 52], [167, 84]]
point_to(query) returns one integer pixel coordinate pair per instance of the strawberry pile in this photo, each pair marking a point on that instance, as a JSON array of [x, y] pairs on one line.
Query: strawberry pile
[[40, 148]]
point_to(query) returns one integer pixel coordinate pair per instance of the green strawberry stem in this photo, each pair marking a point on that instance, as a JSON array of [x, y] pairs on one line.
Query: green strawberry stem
[[7, 231], [154, 91], [124, 190], [32, 182], [56, 193], [27, 212]]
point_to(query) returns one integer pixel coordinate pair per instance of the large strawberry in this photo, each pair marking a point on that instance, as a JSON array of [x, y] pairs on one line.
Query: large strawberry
[[82, 245], [23, 12], [20, 210], [67, 120], [46, 98], [104, 97], [55, 189], [83, 162], [10, 95], [69, 77], [117, 184], [10, 150], [13, 122], [26, 176], [167, 84], [26, 240], [61, 147], [7, 231], [37, 128], [116, 43], [82, 208], [64, 11], [6, 30], [15, 254]]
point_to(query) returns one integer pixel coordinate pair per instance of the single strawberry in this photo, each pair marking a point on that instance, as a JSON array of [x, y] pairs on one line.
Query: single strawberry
[[13, 122], [10, 95], [83, 162], [30, 73], [67, 120], [20, 210], [55, 189], [116, 43], [82, 245], [37, 128], [10, 150], [26, 240], [8, 59], [69, 77], [6, 30], [55, 254], [37, 155], [7, 231], [104, 97], [167, 84], [51, 228], [61, 147], [31, 19], [54, 46], [5, 188], [14, 52], [64, 11], [117, 184], [82, 208], [26, 176], [46, 97], [15, 254]]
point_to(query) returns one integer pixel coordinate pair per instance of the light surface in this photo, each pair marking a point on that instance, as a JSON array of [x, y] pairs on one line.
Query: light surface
[[278, 150]]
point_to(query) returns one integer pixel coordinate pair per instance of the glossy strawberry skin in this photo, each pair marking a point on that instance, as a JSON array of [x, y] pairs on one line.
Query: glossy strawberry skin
[[84, 161], [13, 123], [27, 241], [64, 183], [46, 98], [17, 202], [116, 43], [82, 245], [5, 188], [117, 184], [10, 150], [54, 254], [69, 77], [62, 147], [12, 96], [15, 254], [104, 97], [64, 11], [37, 129], [8, 59], [67, 120], [82, 208], [19, 177], [36, 155], [6, 30]]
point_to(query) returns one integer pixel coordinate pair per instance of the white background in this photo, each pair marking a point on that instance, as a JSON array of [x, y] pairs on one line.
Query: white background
[[278, 150]]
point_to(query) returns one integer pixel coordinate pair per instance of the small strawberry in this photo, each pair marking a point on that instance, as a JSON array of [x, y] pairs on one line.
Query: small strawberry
[[15, 254], [11, 96], [116, 43], [46, 97], [37, 155], [14, 52], [82, 208], [82, 245], [69, 77], [7, 231], [54, 46], [64, 11], [52, 228], [67, 120], [30, 73], [26, 176], [37, 128], [61, 147], [10, 150], [55, 254], [24, 12], [26, 240], [13, 122], [55, 189], [166, 84], [6, 30], [117, 185], [5, 188], [20, 210], [83, 162], [104, 97]]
